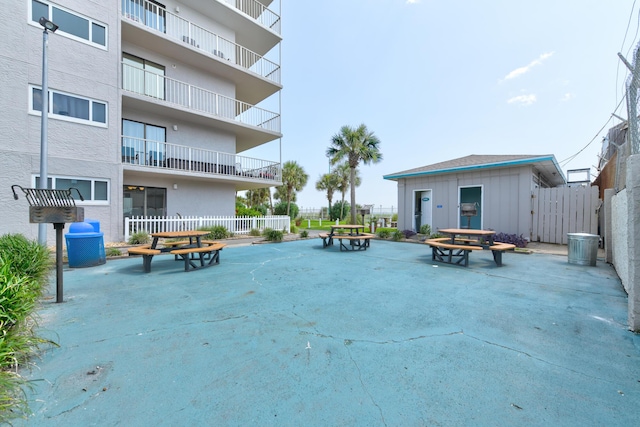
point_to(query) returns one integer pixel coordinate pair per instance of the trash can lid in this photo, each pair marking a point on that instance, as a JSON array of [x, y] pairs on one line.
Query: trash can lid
[[94, 223], [81, 227]]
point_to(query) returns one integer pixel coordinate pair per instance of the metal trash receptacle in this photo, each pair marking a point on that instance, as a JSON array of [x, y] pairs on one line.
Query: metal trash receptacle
[[85, 246], [583, 248]]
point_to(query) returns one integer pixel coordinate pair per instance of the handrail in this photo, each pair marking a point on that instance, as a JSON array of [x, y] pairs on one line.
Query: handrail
[[257, 11], [177, 28], [164, 155], [144, 82]]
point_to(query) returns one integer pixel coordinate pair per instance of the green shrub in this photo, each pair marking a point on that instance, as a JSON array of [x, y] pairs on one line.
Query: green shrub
[[24, 268], [27, 257], [245, 211], [383, 233], [293, 228], [273, 235], [111, 252], [281, 209], [254, 232], [216, 232], [335, 210], [425, 229], [397, 235], [304, 234], [139, 238]]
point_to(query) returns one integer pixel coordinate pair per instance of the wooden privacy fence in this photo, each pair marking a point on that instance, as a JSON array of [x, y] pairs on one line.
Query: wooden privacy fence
[[235, 224], [558, 211]]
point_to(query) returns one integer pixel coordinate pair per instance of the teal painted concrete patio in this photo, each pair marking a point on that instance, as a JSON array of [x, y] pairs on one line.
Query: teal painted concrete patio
[[293, 334]]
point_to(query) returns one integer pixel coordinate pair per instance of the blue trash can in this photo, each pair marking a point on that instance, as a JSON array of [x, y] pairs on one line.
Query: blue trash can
[[85, 244]]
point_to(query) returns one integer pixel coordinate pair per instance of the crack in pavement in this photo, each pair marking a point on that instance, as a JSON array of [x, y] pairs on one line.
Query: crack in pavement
[[537, 358], [364, 387]]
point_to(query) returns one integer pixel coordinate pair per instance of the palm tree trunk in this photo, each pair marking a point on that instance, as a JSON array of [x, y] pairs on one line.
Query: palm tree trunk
[[353, 196]]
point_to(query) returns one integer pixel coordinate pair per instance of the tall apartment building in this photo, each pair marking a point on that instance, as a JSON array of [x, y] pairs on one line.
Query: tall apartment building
[[152, 105]]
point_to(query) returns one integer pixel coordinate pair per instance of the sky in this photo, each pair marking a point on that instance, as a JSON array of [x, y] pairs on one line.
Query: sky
[[441, 79]]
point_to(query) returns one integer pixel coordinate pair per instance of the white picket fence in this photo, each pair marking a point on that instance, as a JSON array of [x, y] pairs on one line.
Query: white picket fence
[[235, 224]]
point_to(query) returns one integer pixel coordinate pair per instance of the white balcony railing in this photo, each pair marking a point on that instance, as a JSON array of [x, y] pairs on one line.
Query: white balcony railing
[[256, 10], [161, 155], [159, 19], [144, 82]]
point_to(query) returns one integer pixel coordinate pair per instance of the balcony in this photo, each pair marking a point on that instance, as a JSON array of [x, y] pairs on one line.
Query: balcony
[[252, 125], [161, 157], [142, 17], [258, 11]]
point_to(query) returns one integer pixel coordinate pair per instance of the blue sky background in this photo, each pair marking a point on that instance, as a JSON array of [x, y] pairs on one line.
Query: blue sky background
[[436, 80]]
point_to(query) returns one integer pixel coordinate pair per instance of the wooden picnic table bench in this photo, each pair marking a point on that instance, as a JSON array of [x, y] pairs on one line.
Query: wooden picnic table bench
[[194, 251], [359, 242], [210, 253], [458, 252], [147, 255]]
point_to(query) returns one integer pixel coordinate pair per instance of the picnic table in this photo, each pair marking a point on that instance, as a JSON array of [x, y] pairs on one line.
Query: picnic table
[[195, 252], [455, 248], [352, 233]]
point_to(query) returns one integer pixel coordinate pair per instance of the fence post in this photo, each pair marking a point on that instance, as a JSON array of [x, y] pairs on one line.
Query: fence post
[[126, 228], [308, 223]]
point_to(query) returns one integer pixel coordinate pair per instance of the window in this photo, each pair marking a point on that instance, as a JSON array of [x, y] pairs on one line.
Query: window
[[70, 23], [142, 76], [142, 143], [144, 201], [70, 107], [94, 191]]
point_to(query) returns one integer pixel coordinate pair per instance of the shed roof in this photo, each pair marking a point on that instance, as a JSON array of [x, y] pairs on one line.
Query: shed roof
[[546, 164]]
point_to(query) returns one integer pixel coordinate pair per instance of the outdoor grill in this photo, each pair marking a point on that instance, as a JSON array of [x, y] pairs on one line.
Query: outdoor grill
[[366, 210], [468, 210], [53, 207]]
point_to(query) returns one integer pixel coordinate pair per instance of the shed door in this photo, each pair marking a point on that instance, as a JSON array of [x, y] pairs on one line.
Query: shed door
[[422, 205], [471, 195]]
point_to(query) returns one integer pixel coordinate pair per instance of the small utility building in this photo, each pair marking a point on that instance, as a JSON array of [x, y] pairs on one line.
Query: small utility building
[[497, 187]]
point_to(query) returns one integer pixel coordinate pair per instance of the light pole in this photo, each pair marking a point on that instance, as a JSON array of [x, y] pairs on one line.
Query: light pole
[[44, 179]]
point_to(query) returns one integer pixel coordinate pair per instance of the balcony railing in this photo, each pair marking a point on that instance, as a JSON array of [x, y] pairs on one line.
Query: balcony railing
[[256, 10], [144, 82], [161, 155], [177, 28]]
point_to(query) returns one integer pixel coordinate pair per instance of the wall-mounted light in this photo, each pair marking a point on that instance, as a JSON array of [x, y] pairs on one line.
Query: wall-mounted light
[[177, 9], [175, 127], [175, 186]]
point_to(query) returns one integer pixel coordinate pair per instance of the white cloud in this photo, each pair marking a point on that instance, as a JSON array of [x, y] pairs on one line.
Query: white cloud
[[413, 1], [524, 100], [522, 70], [566, 97]]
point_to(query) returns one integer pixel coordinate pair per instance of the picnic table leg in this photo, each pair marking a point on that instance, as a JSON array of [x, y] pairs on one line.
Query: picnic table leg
[[146, 263], [497, 257]]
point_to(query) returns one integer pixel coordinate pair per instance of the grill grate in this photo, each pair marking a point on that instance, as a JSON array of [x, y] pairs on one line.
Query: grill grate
[[48, 198], [51, 206]]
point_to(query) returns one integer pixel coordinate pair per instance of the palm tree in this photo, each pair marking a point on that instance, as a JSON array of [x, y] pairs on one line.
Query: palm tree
[[258, 197], [342, 173], [293, 179], [356, 145], [327, 182]]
